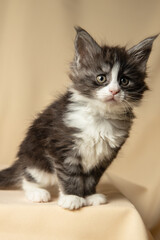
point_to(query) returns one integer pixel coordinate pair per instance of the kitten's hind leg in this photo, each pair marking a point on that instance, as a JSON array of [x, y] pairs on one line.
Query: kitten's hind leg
[[35, 193], [34, 182]]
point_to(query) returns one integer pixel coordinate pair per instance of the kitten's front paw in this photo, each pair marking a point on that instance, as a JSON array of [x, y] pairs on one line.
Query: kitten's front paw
[[71, 202], [96, 199]]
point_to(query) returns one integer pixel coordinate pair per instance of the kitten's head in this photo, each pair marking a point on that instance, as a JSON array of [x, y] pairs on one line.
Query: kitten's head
[[112, 75]]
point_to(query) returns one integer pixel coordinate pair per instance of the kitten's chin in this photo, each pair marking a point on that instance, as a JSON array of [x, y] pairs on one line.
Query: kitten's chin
[[112, 101], [113, 105]]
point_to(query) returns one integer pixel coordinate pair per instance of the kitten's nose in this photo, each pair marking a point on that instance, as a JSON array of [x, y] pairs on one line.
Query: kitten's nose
[[114, 92]]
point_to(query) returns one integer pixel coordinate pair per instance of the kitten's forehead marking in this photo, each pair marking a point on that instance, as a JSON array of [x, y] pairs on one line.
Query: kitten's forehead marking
[[114, 72]]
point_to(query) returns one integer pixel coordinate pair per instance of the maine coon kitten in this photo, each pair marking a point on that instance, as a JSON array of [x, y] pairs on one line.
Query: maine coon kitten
[[78, 136]]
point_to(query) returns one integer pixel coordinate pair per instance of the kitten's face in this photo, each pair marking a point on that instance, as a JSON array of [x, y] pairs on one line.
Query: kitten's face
[[112, 75]]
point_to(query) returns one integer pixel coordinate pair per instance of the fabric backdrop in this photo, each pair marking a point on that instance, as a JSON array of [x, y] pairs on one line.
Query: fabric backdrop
[[36, 45]]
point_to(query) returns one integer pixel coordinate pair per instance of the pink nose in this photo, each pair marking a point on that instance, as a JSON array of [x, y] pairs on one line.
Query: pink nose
[[114, 92]]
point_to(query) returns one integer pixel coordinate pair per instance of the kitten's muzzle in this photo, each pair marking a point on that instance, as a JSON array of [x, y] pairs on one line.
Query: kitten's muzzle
[[114, 91]]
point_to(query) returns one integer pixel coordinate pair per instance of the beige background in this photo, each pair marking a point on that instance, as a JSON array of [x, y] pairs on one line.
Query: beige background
[[36, 45]]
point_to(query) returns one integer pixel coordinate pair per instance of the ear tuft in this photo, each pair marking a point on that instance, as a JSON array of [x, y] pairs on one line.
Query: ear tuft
[[79, 29]]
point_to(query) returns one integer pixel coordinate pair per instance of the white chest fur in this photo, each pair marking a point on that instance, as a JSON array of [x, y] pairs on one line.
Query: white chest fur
[[97, 136], [94, 143]]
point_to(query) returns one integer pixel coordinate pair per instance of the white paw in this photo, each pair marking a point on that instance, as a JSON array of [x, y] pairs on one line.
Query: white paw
[[96, 199], [71, 202], [38, 195]]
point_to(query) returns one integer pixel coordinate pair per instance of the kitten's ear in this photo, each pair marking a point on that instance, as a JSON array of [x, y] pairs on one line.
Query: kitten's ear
[[86, 47], [141, 51]]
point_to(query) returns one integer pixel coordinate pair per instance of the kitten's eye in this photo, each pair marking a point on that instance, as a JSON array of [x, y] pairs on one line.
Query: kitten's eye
[[101, 78], [124, 82]]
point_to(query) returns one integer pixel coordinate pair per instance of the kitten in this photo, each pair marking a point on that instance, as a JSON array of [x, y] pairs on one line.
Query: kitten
[[75, 139]]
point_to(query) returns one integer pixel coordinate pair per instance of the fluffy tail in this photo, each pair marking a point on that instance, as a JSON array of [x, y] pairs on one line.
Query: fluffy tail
[[10, 177]]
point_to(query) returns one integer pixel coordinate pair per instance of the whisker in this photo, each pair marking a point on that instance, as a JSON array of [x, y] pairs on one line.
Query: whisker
[[126, 105]]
